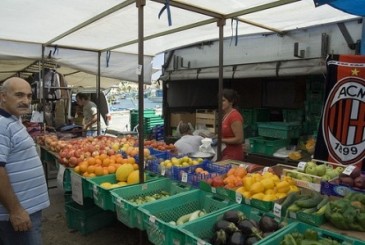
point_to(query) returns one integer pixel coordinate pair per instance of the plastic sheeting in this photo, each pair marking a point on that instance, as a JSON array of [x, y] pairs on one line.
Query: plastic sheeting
[[103, 26]]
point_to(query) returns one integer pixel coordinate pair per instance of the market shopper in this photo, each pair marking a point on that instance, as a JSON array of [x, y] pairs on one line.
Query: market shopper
[[23, 187], [90, 112], [188, 143], [232, 127]]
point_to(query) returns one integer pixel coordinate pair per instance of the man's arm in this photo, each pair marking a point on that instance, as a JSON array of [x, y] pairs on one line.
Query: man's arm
[[19, 218], [91, 122]]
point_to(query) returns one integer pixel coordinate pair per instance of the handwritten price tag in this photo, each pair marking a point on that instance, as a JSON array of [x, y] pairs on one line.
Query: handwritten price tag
[[301, 166], [266, 169], [76, 187], [214, 190], [152, 219], [163, 171], [348, 170], [238, 197], [277, 210], [184, 177]]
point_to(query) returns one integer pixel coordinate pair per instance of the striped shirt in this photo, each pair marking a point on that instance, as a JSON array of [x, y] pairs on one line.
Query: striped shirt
[[19, 157]]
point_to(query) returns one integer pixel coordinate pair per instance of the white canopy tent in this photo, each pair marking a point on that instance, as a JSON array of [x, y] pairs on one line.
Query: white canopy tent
[[74, 32]]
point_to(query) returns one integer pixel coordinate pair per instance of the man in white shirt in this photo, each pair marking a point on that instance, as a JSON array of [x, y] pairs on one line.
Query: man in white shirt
[[188, 143]]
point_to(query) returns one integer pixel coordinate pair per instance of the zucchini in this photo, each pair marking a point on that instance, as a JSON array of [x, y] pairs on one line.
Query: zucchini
[[311, 202], [323, 202], [183, 219]]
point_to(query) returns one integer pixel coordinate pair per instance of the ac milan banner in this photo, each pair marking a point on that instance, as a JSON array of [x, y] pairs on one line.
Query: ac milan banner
[[341, 134]]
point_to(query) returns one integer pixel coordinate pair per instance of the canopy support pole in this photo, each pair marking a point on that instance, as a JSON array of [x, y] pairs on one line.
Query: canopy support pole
[[140, 5], [221, 23], [98, 94]]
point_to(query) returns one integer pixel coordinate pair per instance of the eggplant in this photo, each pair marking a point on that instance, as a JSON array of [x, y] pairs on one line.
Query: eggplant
[[237, 238], [234, 216], [268, 224], [246, 226], [251, 240], [219, 238], [228, 227]]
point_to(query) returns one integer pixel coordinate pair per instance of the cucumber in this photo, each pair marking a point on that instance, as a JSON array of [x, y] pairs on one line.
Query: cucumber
[[289, 200], [323, 202], [311, 202]]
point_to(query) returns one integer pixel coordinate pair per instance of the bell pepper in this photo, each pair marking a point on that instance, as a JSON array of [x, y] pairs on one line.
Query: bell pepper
[[310, 234]]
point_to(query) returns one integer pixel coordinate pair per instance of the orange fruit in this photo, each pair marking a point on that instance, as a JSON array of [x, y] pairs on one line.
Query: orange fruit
[[99, 171], [77, 169], [119, 160], [91, 169], [98, 162], [91, 161], [103, 156], [111, 169], [105, 171], [92, 175], [131, 160], [106, 162], [83, 167]]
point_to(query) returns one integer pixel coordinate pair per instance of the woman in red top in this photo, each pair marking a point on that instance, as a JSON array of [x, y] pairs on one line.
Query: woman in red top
[[232, 127]]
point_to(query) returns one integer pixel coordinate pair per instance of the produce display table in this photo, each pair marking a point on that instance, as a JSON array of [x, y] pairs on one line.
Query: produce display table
[[49, 160]]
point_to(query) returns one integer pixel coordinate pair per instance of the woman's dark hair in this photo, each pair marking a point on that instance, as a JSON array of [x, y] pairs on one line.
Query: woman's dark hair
[[82, 96], [231, 95]]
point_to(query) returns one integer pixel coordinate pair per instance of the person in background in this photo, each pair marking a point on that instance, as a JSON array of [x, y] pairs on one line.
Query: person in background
[[188, 143], [232, 127], [90, 113], [23, 186]]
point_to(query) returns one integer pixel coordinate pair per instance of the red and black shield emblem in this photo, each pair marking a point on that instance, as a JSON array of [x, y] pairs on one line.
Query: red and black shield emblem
[[343, 121]]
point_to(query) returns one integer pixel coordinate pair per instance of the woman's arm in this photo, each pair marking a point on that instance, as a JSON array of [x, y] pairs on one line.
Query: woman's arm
[[238, 134]]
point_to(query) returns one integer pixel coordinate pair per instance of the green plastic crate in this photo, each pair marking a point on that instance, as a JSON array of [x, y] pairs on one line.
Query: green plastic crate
[[128, 212], [87, 218], [67, 180], [157, 215], [301, 227], [102, 196], [202, 230], [266, 146], [280, 130], [293, 115]]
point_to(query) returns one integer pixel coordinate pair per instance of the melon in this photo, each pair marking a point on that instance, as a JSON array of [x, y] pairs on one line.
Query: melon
[[133, 177], [123, 172]]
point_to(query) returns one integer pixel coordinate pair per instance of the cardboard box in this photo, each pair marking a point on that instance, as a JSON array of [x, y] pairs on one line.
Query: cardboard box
[[186, 117]]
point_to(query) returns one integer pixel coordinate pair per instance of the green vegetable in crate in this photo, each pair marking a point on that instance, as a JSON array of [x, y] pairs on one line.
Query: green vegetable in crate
[[346, 214], [309, 237], [190, 217], [149, 198], [311, 202]]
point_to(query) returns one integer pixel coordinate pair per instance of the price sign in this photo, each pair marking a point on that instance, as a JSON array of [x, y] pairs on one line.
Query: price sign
[[184, 177], [266, 169], [301, 166], [144, 187], [76, 188], [152, 219], [139, 70], [243, 165], [214, 190], [60, 174], [247, 201], [200, 242], [348, 170], [238, 197], [95, 192], [163, 171], [277, 210]]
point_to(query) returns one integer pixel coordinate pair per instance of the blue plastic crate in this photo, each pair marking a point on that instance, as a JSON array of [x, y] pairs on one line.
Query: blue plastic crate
[[213, 169]]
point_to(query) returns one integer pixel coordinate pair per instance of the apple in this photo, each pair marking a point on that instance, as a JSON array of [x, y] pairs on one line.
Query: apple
[[331, 173], [339, 170], [321, 169], [311, 169]]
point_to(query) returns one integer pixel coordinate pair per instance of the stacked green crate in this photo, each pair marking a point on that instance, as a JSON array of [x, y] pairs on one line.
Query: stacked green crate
[[313, 105], [150, 120], [251, 116]]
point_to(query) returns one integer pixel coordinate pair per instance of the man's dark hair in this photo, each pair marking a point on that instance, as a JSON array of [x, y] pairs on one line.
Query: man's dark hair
[[82, 96]]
